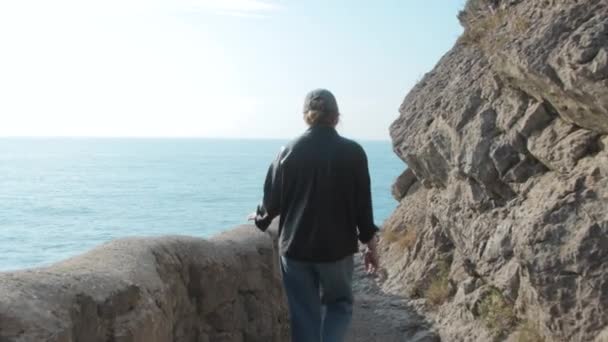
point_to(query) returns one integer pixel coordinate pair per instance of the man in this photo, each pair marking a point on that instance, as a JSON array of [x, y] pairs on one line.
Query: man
[[319, 185]]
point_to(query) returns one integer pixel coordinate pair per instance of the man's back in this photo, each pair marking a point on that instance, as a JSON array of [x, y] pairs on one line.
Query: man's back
[[324, 196]]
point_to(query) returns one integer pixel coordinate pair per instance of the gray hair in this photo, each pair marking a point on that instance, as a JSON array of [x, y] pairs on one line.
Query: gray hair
[[320, 108]]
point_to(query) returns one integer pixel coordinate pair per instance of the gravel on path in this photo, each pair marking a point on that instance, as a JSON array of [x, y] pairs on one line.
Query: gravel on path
[[383, 317]]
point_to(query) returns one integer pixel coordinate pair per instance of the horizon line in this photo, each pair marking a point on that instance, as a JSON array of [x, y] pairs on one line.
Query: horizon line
[[161, 137]]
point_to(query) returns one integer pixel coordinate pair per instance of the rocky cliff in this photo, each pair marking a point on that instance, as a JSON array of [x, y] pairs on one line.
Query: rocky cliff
[[155, 289], [502, 227]]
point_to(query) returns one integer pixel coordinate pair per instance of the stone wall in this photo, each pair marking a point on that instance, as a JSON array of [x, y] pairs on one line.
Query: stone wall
[[152, 289]]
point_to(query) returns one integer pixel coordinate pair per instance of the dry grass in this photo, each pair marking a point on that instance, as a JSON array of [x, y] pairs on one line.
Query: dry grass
[[497, 312], [490, 28], [528, 332], [483, 32], [408, 239], [390, 236], [438, 291], [403, 239], [521, 25], [472, 11]]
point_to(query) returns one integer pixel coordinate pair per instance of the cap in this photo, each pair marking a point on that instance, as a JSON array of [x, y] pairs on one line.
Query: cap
[[321, 100]]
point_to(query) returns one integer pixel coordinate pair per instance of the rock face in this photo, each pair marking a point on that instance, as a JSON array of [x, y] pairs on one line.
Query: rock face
[[507, 141], [154, 289]]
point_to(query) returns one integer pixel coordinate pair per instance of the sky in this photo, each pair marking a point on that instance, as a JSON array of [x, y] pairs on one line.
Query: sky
[[212, 68]]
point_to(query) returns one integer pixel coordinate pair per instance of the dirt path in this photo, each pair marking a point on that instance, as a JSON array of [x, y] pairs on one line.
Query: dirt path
[[381, 317]]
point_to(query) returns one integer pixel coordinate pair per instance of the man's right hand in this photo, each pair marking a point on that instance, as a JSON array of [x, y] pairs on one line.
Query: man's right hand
[[370, 257]]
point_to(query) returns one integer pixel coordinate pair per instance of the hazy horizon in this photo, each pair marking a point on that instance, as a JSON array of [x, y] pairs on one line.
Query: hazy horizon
[[171, 137], [228, 69]]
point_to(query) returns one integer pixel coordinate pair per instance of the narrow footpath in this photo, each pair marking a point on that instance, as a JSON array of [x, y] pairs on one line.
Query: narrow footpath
[[380, 317]]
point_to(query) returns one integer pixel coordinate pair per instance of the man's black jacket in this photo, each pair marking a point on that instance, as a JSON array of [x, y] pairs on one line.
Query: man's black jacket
[[319, 185]]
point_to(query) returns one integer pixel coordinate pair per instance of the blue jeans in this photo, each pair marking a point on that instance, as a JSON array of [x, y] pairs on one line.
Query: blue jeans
[[320, 298]]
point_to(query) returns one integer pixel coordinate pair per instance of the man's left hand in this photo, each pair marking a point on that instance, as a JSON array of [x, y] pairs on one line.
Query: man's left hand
[[370, 257]]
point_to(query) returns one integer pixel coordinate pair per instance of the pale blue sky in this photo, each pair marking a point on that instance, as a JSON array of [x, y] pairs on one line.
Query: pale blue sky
[[212, 68]]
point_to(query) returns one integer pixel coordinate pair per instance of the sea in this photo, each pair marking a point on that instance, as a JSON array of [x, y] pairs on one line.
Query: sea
[[60, 197]]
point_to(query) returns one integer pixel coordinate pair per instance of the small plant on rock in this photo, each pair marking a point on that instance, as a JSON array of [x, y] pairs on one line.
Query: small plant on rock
[[497, 312], [438, 291]]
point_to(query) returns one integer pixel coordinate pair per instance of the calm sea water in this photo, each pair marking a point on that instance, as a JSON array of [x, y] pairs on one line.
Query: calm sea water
[[62, 196]]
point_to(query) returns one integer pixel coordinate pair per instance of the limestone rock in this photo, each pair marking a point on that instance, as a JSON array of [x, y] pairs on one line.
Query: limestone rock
[[508, 133], [403, 184]]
